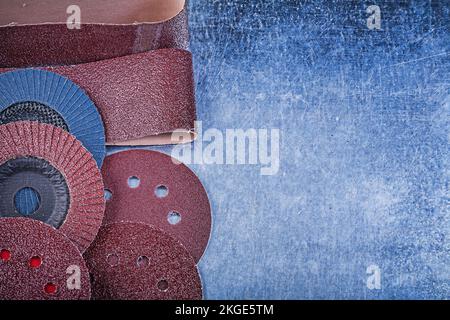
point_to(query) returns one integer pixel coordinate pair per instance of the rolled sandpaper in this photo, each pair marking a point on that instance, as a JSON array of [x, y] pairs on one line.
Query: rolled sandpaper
[[109, 29], [142, 98]]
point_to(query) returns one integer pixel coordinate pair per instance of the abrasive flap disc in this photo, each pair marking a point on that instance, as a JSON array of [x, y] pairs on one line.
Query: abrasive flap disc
[[133, 261], [149, 187], [44, 96], [46, 174], [38, 262]]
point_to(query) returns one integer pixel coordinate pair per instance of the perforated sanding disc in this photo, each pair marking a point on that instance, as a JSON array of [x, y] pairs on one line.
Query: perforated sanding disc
[[136, 261], [44, 96], [76, 168], [148, 187], [38, 262]]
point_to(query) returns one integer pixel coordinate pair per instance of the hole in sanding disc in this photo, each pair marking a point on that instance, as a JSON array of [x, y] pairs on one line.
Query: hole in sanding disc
[[113, 259], [50, 288], [5, 255], [35, 262], [143, 261], [108, 194], [27, 201], [174, 217], [133, 182], [161, 191], [163, 285]]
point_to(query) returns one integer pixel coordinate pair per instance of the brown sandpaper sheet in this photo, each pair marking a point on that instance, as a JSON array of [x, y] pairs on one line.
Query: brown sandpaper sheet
[[142, 98], [35, 33]]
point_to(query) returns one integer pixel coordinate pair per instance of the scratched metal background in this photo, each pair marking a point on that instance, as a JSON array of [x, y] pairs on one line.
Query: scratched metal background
[[364, 117]]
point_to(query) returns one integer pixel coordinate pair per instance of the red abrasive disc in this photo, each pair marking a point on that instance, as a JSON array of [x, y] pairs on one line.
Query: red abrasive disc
[[38, 262], [166, 195], [134, 261], [65, 153]]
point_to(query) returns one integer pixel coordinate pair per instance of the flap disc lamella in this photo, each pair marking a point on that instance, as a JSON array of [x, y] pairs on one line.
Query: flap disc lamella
[[46, 174], [38, 262], [47, 97]]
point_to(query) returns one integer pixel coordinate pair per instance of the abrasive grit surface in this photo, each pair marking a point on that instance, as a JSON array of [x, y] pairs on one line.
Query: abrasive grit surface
[[167, 195], [65, 153], [140, 95], [38, 262], [132, 261]]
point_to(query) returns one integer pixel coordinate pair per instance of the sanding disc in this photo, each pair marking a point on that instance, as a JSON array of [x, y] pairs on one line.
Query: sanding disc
[[133, 261], [38, 262], [44, 96], [148, 187], [23, 176]]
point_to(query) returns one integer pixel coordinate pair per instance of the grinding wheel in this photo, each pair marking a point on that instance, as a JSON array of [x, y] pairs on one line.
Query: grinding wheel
[[166, 195], [71, 165], [38, 262], [131, 261]]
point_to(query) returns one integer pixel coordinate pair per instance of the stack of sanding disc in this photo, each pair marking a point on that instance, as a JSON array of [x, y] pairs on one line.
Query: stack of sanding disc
[[75, 224]]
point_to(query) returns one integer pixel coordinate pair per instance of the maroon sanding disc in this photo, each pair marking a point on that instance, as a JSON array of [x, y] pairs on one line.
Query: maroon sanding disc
[[141, 95], [67, 155], [133, 261], [168, 196], [38, 262]]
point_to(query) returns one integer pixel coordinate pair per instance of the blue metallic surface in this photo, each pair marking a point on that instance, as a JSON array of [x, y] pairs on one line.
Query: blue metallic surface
[[364, 118]]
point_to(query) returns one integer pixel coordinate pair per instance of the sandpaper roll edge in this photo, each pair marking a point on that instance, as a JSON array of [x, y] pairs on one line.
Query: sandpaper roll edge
[[34, 45]]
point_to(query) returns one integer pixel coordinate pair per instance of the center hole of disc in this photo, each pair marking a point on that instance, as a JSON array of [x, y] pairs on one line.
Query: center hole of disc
[[27, 201]]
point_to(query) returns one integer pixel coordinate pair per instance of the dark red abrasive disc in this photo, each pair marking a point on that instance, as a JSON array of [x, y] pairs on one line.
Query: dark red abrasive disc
[[134, 261], [65, 153], [166, 195], [38, 262]]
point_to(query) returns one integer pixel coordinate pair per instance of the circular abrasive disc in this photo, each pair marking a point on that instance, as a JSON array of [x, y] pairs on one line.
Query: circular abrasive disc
[[38, 262], [44, 96], [134, 261], [148, 187], [33, 188], [79, 169]]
